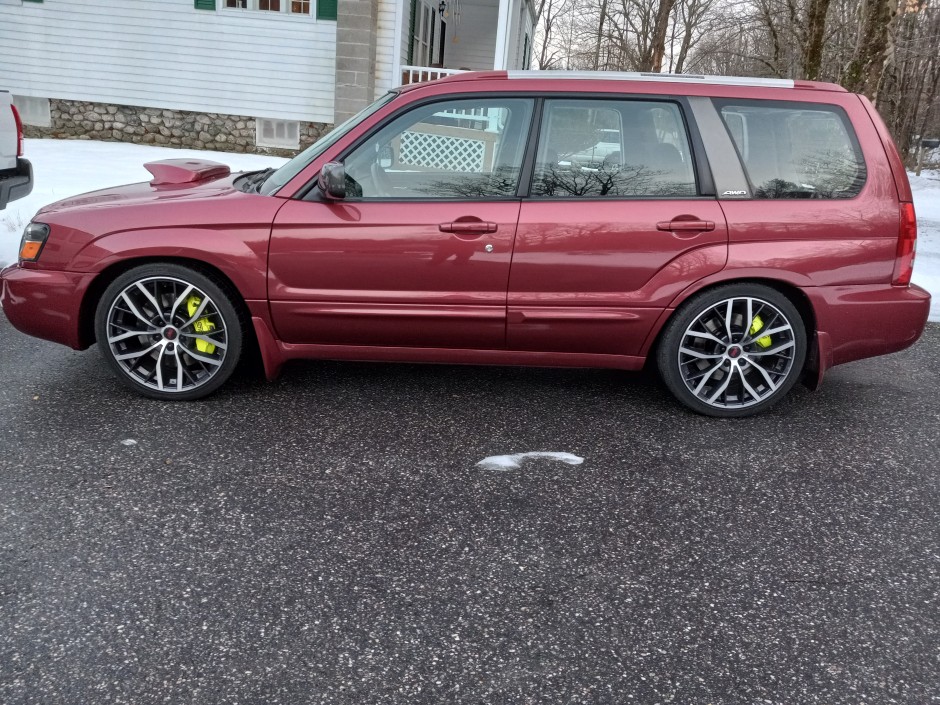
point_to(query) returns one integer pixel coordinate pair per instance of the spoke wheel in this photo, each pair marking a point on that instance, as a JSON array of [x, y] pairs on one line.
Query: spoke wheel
[[173, 335], [734, 351]]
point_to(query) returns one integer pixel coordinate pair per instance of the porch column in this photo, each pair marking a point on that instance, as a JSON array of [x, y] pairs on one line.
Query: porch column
[[501, 54], [356, 22]]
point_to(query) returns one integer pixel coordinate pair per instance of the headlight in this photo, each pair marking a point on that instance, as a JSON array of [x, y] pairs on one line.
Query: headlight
[[34, 237]]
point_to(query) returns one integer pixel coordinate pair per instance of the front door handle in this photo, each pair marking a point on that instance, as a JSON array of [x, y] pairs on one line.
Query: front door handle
[[686, 225], [468, 228]]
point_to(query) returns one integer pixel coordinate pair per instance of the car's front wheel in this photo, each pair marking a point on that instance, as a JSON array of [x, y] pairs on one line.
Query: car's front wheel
[[733, 351], [169, 331]]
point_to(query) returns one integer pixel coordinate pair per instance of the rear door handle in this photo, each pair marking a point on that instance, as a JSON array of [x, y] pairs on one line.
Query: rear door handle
[[468, 228], [686, 225]]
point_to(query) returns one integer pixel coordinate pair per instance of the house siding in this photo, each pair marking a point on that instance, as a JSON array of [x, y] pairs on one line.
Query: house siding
[[170, 55]]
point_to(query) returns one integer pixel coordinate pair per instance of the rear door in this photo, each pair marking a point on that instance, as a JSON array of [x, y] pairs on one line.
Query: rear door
[[617, 224]]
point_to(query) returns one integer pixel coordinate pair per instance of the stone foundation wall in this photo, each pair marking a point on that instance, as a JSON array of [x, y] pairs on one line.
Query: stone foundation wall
[[172, 128]]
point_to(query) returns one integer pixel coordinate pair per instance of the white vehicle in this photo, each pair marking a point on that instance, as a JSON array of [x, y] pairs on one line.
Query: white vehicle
[[16, 173]]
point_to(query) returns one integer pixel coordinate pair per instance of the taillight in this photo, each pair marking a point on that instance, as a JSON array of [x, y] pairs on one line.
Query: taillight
[[907, 246], [19, 131]]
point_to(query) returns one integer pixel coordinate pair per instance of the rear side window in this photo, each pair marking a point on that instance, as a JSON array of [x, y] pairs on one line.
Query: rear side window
[[611, 149], [792, 150]]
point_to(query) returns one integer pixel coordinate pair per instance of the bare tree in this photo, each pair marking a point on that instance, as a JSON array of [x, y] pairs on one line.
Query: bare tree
[[863, 73], [550, 17]]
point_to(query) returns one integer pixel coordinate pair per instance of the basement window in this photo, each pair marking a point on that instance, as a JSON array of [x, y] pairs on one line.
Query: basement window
[[281, 134], [33, 111]]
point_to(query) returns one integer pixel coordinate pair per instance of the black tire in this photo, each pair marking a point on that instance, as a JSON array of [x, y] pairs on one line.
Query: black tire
[[697, 354], [193, 340]]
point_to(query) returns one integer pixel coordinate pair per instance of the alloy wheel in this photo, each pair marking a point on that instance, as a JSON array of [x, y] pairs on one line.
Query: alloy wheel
[[167, 334], [737, 353]]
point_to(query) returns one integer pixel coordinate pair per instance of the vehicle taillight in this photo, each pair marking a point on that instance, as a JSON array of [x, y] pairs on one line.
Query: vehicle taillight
[[907, 246], [19, 131]]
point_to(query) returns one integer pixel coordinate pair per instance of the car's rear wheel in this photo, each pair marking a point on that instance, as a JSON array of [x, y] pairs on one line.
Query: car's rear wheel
[[170, 332], [733, 351]]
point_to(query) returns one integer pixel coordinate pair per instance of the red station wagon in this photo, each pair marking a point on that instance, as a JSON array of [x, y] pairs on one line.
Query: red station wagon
[[740, 233]]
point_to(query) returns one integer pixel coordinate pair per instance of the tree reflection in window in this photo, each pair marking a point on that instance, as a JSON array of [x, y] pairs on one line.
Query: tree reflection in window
[[613, 149], [795, 151]]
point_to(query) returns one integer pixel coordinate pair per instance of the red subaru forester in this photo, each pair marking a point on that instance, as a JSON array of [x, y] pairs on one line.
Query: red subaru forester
[[742, 233]]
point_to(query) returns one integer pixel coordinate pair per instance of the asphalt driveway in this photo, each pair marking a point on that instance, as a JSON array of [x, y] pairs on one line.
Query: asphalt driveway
[[330, 538]]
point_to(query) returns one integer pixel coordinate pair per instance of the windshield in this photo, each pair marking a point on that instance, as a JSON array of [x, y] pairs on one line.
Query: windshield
[[300, 162]]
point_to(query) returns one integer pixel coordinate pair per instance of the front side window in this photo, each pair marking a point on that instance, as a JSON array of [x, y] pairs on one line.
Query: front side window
[[611, 149], [459, 149], [794, 150], [302, 161]]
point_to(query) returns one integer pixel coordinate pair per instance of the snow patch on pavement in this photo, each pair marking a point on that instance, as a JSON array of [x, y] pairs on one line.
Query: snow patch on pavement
[[513, 462]]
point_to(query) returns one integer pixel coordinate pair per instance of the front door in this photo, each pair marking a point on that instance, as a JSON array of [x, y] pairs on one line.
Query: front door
[[418, 253]]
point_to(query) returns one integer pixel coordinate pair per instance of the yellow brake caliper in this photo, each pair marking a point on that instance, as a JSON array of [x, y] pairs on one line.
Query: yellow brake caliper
[[756, 326], [203, 325]]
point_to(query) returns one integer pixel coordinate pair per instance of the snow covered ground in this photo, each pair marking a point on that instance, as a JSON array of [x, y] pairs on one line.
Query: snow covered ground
[[926, 188], [65, 168]]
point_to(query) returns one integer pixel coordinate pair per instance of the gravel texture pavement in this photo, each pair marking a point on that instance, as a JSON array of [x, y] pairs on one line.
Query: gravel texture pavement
[[330, 539]]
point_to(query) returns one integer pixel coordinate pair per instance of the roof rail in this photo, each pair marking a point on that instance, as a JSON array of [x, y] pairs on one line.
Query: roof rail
[[673, 78]]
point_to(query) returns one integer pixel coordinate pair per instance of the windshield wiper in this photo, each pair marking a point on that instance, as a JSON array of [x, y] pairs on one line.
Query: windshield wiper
[[253, 181]]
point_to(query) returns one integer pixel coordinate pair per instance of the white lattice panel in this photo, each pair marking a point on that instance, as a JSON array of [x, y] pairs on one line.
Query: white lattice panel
[[442, 152]]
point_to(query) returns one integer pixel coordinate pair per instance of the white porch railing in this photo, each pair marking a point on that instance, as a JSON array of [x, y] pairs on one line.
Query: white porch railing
[[420, 74]]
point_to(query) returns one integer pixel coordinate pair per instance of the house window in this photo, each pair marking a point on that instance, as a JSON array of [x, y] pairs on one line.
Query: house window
[[282, 134], [294, 7], [33, 111], [424, 38]]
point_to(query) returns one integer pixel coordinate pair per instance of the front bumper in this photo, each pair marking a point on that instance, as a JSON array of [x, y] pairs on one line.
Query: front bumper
[[16, 184], [45, 304]]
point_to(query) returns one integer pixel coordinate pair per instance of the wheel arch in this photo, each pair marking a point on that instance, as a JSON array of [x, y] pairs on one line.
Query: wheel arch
[[86, 319], [790, 290]]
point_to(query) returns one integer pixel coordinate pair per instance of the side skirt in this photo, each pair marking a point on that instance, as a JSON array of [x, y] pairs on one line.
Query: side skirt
[[274, 353]]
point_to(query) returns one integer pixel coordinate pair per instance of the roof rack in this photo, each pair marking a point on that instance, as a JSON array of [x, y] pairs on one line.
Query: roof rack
[[661, 77], [641, 76], [675, 78]]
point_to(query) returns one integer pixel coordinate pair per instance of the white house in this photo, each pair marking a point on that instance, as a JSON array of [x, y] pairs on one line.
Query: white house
[[238, 74]]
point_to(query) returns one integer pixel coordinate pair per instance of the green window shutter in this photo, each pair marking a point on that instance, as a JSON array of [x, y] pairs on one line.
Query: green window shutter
[[204, 4], [326, 9]]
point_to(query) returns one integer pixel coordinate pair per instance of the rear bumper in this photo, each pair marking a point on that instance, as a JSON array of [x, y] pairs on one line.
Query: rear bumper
[[855, 322], [16, 184], [45, 304]]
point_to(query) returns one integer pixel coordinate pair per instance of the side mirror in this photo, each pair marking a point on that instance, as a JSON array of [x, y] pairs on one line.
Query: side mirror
[[332, 181]]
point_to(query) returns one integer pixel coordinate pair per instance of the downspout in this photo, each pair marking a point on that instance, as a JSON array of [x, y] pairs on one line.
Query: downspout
[[502, 36], [396, 48]]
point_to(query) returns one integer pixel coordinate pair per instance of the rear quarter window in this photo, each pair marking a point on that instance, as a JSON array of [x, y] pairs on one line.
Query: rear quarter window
[[795, 150]]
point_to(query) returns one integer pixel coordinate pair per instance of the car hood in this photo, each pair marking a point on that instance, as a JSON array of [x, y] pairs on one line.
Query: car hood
[[145, 193]]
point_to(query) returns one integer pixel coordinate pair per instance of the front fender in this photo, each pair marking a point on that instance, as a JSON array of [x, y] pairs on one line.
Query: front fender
[[242, 257]]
